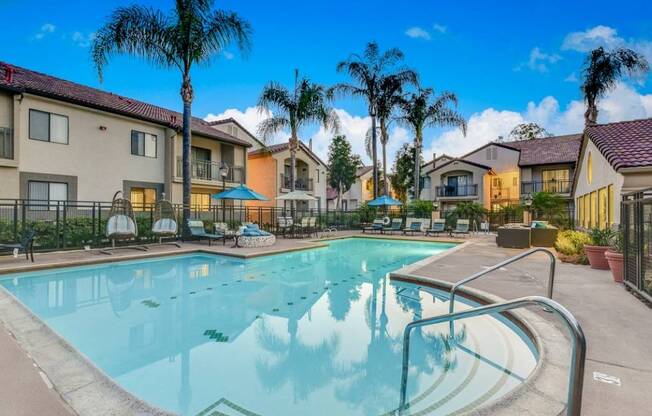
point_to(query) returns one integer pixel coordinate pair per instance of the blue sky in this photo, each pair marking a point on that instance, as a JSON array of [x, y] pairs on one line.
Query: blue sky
[[506, 62]]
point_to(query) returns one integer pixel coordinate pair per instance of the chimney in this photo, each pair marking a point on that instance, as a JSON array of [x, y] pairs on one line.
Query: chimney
[[310, 144]]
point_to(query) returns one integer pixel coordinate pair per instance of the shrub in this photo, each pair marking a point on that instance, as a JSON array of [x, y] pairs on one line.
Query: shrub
[[570, 245], [601, 237], [616, 243], [421, 208]]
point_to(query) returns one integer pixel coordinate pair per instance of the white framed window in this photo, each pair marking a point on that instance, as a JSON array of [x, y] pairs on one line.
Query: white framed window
[[48, 127], [143, 144], [46, 193]]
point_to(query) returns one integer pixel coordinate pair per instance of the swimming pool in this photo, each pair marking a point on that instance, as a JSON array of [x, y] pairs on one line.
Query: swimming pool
[[313, 332]]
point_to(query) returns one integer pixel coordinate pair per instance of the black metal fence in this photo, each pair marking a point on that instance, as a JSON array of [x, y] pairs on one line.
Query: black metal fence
[[636, 223]]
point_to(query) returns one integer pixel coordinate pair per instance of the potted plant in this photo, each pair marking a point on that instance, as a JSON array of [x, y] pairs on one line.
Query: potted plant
[[600, 240], [614, 256]]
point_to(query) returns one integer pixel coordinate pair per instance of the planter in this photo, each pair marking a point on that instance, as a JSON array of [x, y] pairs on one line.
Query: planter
[[615, 261], [596, 257]]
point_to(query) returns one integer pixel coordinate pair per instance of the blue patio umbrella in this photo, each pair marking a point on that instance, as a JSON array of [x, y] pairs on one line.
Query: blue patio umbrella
[[384, 201], [242, 192]]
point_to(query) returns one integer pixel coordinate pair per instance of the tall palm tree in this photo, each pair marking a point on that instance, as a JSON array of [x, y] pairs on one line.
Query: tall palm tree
[[602, 69], [423, 109], [192, 33], [305, 104], [368, 71]]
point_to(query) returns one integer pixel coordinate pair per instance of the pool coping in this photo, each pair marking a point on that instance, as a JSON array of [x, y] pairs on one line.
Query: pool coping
[[89, 391], [538, 394]]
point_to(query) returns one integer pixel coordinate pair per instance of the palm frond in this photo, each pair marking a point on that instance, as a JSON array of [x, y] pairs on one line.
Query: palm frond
[[139, 31], [275, 97], [270, 126], [224, 28]]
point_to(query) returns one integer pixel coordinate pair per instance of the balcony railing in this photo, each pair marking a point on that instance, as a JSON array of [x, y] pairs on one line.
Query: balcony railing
[[210, 171], [300, 184], [445, 191], [6, 143], [553, 186], [501, 194]]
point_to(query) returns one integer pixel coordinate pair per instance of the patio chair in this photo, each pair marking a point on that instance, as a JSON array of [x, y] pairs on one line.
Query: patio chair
[[415, 227], [376, 226], [26, 244], [121, 224], [438, 226], [197, 231], [284, 225], [461, 227], [312, 225], [303, 229], [165, 222], [396, 226]]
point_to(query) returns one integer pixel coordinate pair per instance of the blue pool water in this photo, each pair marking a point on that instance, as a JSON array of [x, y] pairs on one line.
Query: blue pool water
[[314, 332]]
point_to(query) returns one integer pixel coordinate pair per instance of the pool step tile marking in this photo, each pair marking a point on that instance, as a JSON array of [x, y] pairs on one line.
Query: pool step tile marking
[[150, 303], [217, 336]]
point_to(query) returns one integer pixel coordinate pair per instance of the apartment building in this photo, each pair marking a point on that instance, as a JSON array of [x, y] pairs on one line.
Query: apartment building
[[615, 159], [499, 174], [60, 140]]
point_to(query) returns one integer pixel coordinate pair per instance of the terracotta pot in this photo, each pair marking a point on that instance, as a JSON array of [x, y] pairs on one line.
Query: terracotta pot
[[615, 261], [596, 257]]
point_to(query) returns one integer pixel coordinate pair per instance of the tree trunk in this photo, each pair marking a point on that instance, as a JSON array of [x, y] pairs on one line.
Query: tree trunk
[[383, 143], [187, 96], [417, 166], [374, 151], [339, 196], [293, 167], [591, 113]]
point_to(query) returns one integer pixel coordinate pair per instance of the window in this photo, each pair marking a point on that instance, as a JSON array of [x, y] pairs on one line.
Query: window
[[46, 191], [589, 168], [48, 127], [143, 144], [514, 181], [317, 174], [603, 209], [492, 153], [610, 192], [587, 210], [594, 209], [556, 180], [6, 143], [200, 201], [142, 197], [580, 210]]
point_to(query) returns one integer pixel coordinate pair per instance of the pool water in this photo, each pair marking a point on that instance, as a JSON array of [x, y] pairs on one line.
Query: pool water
[[313, 332]]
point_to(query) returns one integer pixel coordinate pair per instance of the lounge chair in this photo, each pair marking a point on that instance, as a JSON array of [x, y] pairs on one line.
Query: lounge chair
[[250, 235], [121, 224], [284, 225], [415, 227], [197, 231], [395, 226], [438, 226], [376, 226], [26, 244], [312, 225], [303, 228], [461, 227], [165, 223]]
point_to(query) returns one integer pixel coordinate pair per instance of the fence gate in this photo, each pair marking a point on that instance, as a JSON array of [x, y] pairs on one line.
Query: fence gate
[[636, 221]]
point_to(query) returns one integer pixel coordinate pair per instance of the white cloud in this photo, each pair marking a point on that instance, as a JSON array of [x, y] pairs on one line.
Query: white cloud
[[539, 61], [228, 55], [439, 28], [623, 103], [607, 37], [417, 33], [572, 77], [45, 30], [83, 40]]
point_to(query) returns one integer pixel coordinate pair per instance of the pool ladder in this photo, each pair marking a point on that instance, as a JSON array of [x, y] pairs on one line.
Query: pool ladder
[[578, 347]]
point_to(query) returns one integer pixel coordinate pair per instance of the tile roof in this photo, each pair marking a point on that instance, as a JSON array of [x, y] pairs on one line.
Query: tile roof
[[279, 147], [21, 80], [548, 151], [625, 144], [361, 171], [468, 162]]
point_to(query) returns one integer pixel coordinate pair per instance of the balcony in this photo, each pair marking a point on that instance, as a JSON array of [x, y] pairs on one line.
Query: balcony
[[554, 186], [300, 184], [459, 191], [206, 170]]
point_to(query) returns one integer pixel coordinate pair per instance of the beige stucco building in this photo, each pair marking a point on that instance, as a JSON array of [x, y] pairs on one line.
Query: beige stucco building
[[65, 141], [615, 158]]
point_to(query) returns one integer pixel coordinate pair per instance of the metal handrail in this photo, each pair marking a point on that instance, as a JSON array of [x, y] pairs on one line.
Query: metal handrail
[[551, 275], [578, 348]]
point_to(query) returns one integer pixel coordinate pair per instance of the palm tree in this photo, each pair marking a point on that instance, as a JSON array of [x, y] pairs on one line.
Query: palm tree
[[602, 69], [192, 33], [422, 109], [368, 71], [305, 104]]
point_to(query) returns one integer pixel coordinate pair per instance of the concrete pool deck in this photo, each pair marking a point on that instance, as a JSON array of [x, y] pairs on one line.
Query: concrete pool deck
[[614, 321]]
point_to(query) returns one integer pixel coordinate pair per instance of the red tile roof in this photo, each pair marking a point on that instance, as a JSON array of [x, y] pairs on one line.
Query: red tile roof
[[279, 147], [548, 151], [625, 144], [21, 80]]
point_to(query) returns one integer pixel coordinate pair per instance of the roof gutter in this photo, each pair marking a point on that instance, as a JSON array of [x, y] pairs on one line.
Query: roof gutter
[[637, 169]]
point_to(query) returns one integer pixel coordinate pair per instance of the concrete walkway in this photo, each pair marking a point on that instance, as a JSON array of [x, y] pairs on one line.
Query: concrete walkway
[[616, 324]]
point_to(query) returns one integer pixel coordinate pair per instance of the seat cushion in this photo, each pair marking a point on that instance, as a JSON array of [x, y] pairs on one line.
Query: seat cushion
[[165, 226], [120, 226]]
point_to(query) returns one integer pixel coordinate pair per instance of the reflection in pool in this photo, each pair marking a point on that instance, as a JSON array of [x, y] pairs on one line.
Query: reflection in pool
[[315, 332]]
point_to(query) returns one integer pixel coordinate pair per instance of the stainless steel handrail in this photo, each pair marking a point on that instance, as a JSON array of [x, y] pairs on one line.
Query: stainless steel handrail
[[551, 275], [578, 348]]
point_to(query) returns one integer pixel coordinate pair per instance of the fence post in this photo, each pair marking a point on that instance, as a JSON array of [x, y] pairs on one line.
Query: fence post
[[57, 228], [99, 223], [22, 216], [16, 220], [93, 223], [65, 222]]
